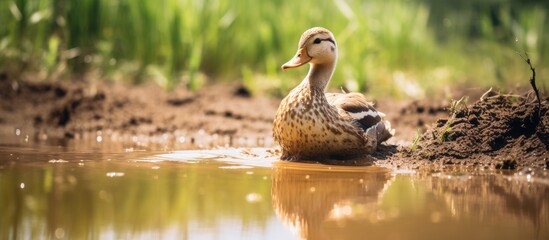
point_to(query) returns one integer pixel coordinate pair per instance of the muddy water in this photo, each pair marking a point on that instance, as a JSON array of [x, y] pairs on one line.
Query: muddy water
[[101, 190]]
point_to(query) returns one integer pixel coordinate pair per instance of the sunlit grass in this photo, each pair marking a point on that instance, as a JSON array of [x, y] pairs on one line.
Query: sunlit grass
[[396, 48]]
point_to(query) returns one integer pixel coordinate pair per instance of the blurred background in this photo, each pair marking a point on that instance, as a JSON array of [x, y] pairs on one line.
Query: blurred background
[[387, 48]]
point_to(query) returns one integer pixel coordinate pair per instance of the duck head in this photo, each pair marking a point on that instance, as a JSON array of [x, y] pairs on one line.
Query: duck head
[[316, 46]]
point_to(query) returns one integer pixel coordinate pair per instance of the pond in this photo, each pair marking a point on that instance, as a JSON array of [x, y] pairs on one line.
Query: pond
[[108, 190]]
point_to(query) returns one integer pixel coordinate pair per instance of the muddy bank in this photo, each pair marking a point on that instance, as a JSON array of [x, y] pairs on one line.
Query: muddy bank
[[499, 131], [74, 110], [78, 109]]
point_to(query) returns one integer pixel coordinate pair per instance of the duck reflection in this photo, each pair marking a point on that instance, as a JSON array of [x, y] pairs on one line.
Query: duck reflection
[[373, 204], [305, 199]]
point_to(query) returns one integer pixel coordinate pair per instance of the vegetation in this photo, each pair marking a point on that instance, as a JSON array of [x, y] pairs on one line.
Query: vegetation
[[454, 107], [407, 48], [416, 140]]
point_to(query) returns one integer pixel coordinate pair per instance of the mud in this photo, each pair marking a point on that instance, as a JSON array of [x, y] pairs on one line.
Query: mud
[[498, 131], [72, 110], [505, 132]]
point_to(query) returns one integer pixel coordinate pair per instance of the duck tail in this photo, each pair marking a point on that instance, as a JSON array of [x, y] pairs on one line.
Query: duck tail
[[381, 131]]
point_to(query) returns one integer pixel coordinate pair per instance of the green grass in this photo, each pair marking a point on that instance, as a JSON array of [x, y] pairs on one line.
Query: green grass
[[455, 106], [397, 48], [416, 140]]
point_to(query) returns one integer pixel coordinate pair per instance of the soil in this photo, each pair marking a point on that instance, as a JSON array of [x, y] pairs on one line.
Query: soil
[[79, 109], [505, 132], [498, 131]]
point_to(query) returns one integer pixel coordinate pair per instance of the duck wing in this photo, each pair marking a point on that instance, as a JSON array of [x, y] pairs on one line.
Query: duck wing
[[354, 107]]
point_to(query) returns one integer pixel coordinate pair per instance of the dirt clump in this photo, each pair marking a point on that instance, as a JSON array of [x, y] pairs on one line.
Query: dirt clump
[[505, 132]]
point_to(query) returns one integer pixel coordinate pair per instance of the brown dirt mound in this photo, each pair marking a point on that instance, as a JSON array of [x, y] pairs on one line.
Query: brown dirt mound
[[507, 131]]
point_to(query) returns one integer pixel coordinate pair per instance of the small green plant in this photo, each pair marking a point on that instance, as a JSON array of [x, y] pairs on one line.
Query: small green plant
[[456, 104], [454, 108], [444, 136], [416, 140]]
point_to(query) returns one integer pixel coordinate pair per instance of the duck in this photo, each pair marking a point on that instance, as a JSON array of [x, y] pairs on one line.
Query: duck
[[311, 124]]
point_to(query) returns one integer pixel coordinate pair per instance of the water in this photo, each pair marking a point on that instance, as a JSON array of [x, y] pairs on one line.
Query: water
[[101, 190]]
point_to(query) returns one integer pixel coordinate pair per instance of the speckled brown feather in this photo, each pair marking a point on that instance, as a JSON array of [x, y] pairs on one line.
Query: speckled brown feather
[[307, 127]]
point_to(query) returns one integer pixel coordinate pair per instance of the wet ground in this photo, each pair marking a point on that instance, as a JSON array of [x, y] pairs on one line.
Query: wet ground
[[508, 131], [101, 189]]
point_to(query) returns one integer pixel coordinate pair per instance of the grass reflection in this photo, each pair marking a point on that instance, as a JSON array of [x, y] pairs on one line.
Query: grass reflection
[[75, 201]]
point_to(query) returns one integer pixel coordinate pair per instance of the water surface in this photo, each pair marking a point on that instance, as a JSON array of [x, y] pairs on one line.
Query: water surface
[[102, 190]]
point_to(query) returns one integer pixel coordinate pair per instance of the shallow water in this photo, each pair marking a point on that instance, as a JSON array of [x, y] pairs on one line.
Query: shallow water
[[102, 190]]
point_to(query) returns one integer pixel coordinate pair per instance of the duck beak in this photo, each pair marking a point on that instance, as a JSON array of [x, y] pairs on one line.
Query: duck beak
[[299, 59]]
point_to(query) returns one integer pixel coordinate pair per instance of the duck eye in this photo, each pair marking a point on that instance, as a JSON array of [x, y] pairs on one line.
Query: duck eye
[[317, 41]]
